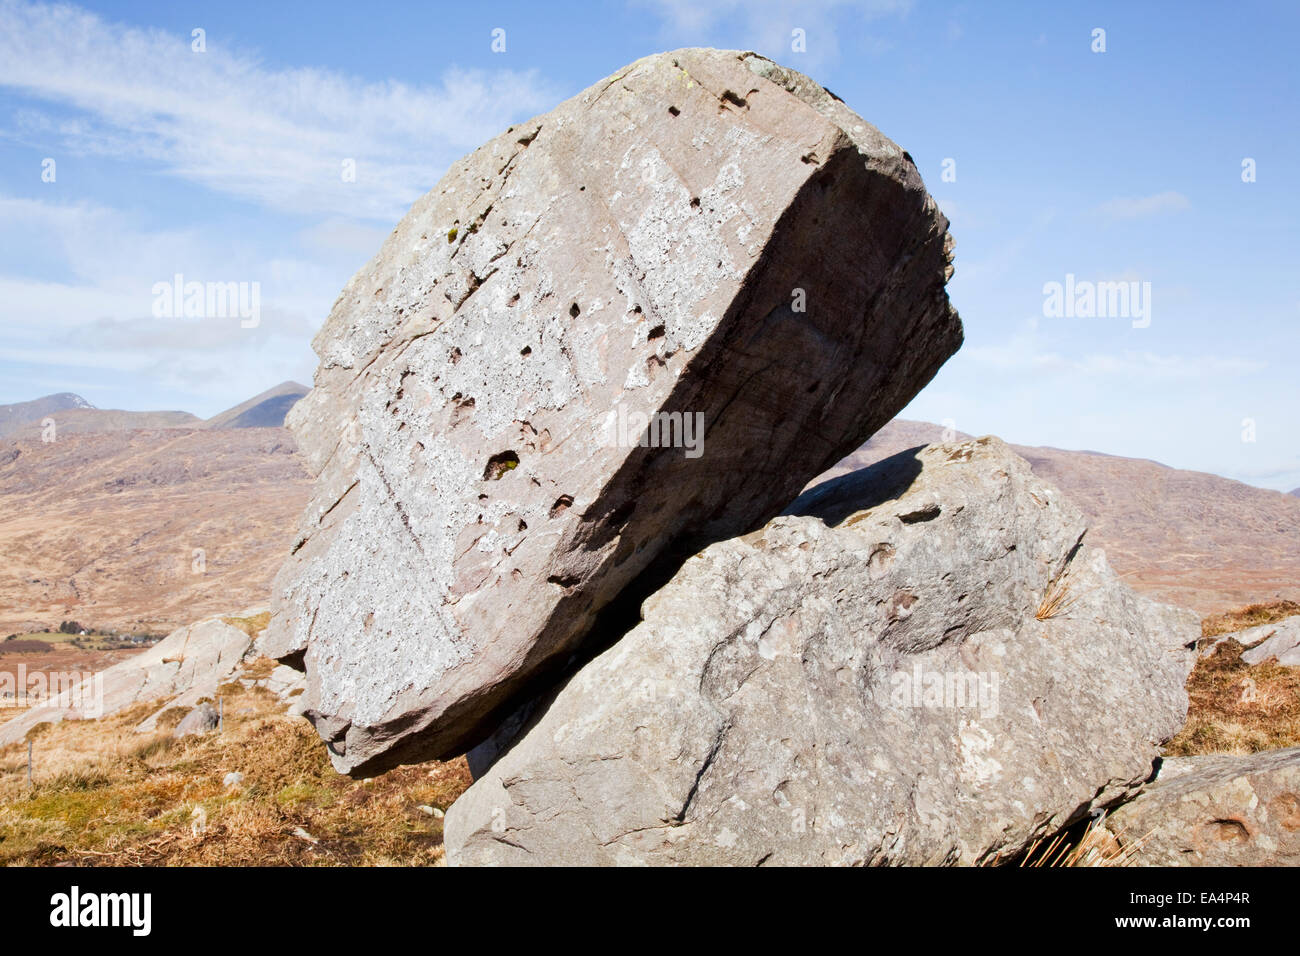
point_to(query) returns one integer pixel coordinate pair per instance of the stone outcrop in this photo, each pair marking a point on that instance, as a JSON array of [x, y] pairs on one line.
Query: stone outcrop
[[185, 666], [1216, 810], [919, 663], [704, 250], [1279, 641]]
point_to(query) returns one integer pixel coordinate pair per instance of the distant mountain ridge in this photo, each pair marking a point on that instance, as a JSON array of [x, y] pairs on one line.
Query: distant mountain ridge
[[72, 414], [266, 410]]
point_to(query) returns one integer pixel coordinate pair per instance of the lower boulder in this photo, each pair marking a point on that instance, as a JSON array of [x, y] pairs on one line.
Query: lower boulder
[[1216, 810], [918, 663]]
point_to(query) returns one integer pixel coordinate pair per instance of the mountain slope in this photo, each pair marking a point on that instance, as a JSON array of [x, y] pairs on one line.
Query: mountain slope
[[14, 418], [1185, 537], [266, 410], [145, 529]]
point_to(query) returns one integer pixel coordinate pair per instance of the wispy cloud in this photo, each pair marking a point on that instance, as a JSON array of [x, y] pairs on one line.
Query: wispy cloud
[[219, 118], [1142, 206], [96, 312]]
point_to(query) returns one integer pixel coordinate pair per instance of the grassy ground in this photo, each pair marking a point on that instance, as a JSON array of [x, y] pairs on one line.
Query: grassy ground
[[1234, 707], [106, 795]]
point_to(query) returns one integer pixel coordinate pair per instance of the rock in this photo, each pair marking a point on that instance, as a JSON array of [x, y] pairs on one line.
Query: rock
[[201, 720], [186, 666], [232, 779], [1280, 640], [877, 676], [703, 235], [1216, 810]]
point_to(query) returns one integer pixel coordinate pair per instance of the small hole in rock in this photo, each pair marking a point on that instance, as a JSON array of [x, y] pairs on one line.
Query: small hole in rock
[[499, 464]]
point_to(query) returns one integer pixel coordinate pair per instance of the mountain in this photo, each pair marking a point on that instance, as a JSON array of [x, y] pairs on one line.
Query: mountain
[[1184, 537], [261, 411], [1294, 492], [14, 418], [73, 415]]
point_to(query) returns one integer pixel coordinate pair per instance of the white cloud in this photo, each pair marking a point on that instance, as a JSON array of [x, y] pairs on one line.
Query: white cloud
[[277, 137], [1143, 206], [98, 313]]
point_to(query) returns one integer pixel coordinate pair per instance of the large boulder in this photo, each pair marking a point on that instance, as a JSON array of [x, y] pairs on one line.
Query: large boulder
[[704, 250], [1216, 810], [919, 663]]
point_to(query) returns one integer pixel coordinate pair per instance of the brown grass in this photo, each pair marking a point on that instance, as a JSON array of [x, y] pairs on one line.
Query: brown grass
[[1088, 844], [104, 794], [1239, 709], [1056, 600]]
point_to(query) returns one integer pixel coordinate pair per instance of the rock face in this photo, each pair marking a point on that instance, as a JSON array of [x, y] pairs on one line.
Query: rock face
[[1220, 810], [920, 663], [188, 664], [704, 250]]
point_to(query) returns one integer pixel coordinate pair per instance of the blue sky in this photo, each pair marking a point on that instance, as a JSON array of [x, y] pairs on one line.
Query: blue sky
[[1123, 165]]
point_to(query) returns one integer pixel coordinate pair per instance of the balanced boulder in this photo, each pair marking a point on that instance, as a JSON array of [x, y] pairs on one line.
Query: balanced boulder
[[919, 663], [618, 332]]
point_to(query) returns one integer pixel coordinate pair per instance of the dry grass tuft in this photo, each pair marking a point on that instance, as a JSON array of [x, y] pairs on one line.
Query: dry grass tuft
[[1088, 844], [1056, 600], [107, 795]]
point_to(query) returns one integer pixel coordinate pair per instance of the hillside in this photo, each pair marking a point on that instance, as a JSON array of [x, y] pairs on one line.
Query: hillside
[[104, 526], [1185, 537], [19, 416], [266, 410]]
